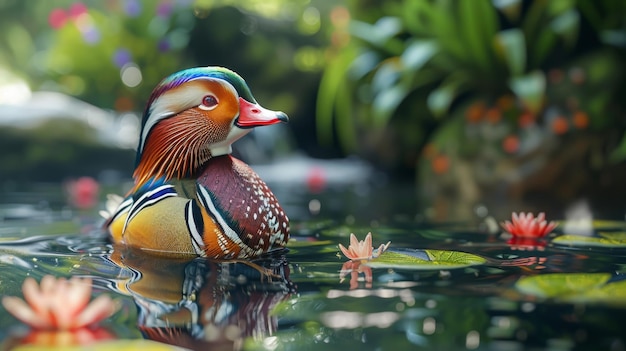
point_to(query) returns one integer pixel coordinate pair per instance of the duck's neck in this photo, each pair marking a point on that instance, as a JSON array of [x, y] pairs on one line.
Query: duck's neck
[[177, 148]]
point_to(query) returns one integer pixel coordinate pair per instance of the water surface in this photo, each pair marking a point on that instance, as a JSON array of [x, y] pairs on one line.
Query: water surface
[[298, 299]]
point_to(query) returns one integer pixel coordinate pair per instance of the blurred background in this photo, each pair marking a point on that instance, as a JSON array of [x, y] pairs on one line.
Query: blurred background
[[448, 108]]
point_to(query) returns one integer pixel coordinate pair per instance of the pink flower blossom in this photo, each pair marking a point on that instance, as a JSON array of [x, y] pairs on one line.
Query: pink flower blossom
[[527, 226], [83, 192], [59, 304], [526, 244], [362, 250], [354, 268]]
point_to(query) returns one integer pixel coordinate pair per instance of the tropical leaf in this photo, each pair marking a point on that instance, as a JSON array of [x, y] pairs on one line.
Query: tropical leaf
[[440, 99], [333, 80], [380, 34], [511, 9], [478, 24], [387, 75], [530, 89], [344, 124], [619, 154], [567, 25], [364, 64], [443, 27], [386, 102], [417, 53], [512, 45]]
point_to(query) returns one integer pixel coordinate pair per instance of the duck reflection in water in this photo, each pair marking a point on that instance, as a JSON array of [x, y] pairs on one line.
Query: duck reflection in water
[[201, 304]]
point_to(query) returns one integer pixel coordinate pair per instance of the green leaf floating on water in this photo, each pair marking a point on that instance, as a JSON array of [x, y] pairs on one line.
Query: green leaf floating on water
[[605, 239], [293, 243], [574, 287], [425, 260]]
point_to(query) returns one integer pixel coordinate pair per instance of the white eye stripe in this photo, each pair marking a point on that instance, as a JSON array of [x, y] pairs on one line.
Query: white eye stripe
[[207, 108]]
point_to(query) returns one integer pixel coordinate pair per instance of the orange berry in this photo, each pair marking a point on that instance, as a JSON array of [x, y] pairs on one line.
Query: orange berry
[[560, 125], [526, 119], [581, 120], [440, 164], [510, 144], [475, 112], [505, 102], [493, 115]]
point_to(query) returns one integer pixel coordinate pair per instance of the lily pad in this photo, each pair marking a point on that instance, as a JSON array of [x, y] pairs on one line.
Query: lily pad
[[425, 259], [595, 224], [600, 224], [605, 239], [298, 242], [574, 287]]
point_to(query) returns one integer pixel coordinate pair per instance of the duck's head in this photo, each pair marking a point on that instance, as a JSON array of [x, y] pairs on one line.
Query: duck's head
[[193, 115]]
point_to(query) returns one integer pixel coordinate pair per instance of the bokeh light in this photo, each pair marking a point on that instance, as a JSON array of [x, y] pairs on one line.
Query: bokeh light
[[73, 84], [132, 8], [165, 8], [85, 24], [164, 45], [57, 18], [77, 9], [308, 58], [510, 144], [121, 57], [310, 22], [13, 90], [131, 75]]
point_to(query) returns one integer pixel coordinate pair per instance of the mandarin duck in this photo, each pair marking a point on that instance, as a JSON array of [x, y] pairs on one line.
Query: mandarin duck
[[190, 195]]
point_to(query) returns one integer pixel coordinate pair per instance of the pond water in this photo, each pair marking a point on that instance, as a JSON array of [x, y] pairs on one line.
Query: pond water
[[473, 290]]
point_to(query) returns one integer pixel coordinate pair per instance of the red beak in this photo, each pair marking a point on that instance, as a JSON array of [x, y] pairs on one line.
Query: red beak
[[253, 115]]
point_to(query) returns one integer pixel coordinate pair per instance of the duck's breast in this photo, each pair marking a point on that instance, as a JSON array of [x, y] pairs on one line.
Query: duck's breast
[[241, 200]]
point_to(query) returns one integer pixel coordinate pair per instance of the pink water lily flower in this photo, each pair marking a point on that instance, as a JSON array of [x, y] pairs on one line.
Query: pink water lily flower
[[354, 268], [362, 250], [59, 304], [527, 226]]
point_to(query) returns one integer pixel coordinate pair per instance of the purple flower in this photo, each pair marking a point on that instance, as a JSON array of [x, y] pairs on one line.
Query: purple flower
[[164, 9], [91, 35], [132, 8], [121, 57], [164, 45]]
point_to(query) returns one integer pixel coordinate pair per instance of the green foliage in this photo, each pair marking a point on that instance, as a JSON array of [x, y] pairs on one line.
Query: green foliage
[[410, 68], [57, 150], [277, 46], [87, 69]]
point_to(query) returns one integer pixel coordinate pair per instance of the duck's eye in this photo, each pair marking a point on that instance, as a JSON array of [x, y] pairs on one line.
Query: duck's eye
[[209, 102]]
